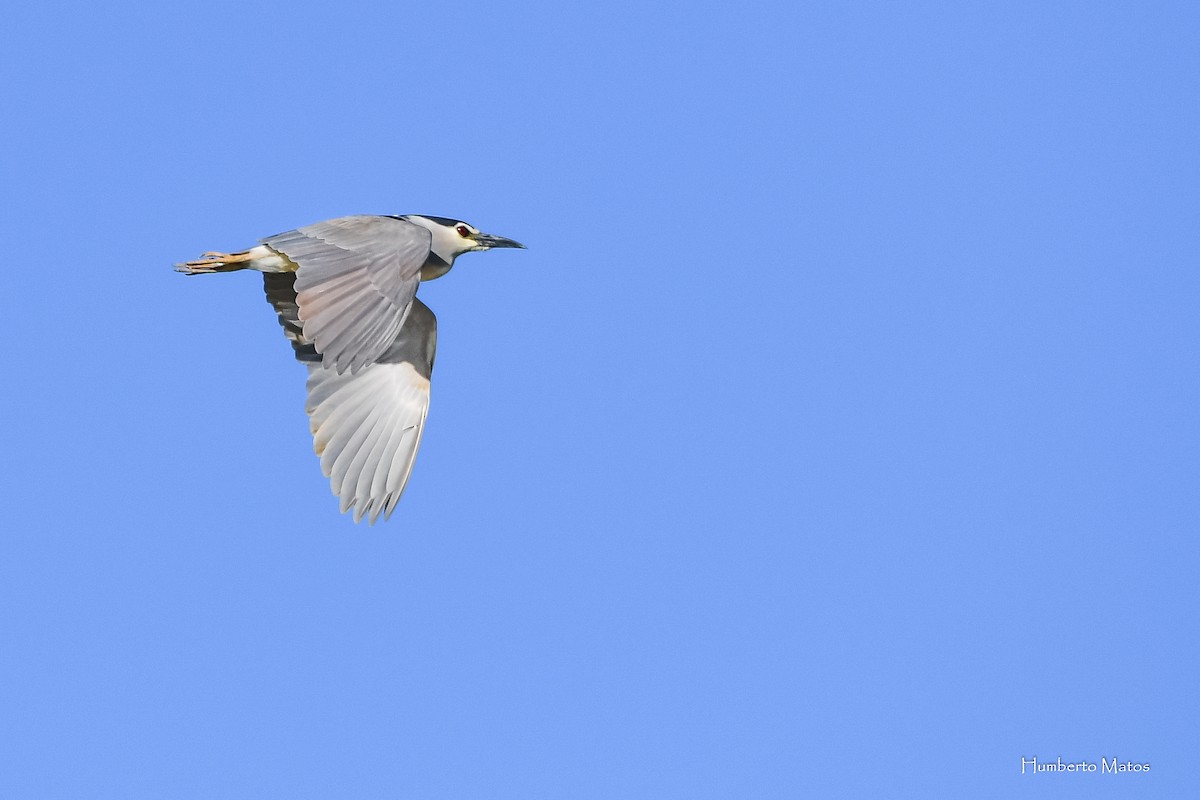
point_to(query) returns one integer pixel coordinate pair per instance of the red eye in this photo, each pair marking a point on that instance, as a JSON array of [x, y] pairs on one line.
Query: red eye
[[463, 230]]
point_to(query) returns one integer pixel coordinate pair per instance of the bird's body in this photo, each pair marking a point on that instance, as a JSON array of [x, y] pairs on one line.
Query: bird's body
[[345, 293]]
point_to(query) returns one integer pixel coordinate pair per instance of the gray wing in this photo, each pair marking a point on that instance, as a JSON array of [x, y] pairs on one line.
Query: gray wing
[[366, 425], [355, 281]]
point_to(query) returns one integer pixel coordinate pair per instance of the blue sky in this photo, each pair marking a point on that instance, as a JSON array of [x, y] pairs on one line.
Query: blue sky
[[836, 435]]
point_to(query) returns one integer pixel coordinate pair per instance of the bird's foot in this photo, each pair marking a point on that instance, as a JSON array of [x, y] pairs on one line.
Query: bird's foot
[[214, 261]]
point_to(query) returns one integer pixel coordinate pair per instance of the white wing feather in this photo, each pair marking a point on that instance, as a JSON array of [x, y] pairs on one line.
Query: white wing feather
[[367, 428]]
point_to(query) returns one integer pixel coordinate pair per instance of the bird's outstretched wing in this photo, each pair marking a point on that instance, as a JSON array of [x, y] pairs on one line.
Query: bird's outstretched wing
[[366, 425], [355, 281]]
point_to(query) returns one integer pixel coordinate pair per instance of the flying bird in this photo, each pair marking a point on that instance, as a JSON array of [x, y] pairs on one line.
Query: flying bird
[[345, 292]]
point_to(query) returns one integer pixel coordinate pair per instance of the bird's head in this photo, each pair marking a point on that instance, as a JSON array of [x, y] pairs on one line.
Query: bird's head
[[452, 237]]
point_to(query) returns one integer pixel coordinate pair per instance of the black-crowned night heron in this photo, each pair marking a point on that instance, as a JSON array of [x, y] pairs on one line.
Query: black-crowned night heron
[[345, 291]]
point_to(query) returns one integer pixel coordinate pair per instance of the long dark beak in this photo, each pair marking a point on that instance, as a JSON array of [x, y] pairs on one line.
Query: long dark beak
[[487, 240]]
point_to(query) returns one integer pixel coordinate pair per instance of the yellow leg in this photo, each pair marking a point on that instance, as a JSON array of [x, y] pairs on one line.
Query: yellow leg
[[214, 261]]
